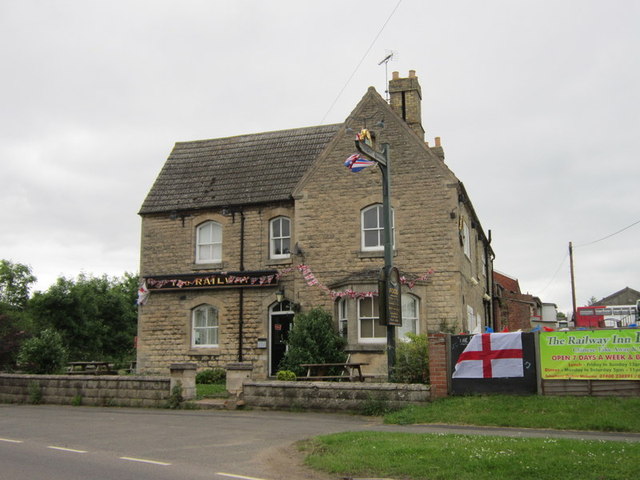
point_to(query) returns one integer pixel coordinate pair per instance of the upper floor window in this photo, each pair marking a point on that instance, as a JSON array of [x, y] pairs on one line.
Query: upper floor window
[[204, 326], [466, 240], [209, 243], [280, 238], [369, 328], [410, 316], [373, 228]]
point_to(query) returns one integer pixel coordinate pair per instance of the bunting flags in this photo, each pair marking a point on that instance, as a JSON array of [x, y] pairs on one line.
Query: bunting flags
[[312, 281], [307, 274]]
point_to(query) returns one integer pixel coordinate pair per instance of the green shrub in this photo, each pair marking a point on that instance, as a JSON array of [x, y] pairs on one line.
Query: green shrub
[[215, 375], [44, 354], [312, 339], [412, 360], [176, 399], [35, 393], [286, 375], [375, 407]]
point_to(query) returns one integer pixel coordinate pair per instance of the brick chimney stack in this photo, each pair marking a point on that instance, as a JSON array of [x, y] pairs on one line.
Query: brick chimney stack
[[405, 97]]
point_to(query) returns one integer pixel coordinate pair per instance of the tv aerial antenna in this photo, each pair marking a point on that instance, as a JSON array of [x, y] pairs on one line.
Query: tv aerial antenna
[[391, 55]]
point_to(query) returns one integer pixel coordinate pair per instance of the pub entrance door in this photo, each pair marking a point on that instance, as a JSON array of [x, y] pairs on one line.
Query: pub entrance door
[[280, 321]]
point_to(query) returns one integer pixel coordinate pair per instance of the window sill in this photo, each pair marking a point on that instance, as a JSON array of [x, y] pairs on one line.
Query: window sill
[[366, 347], [374, 253], [207, 266], [279, 261], [208, 351]]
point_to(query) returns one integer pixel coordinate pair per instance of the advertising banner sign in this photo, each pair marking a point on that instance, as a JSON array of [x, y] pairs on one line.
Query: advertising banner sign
[[591, 354]]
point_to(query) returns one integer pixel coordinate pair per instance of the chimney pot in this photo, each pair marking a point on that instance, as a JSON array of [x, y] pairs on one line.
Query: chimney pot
[[412, 73], [395, 75], [437, 140]]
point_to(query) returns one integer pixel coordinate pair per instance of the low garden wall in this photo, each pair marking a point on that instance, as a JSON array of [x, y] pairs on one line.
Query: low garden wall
[[100, 390], [333, 396]]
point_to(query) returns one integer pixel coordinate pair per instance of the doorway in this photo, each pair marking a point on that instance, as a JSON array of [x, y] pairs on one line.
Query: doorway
[[280, 321]]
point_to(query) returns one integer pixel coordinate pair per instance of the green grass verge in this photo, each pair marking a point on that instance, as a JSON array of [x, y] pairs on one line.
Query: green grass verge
[[211, 390], [460, 457], [608, 414]]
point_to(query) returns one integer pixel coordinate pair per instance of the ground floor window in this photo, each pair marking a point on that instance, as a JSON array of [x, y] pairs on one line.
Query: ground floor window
[[204, 326], [343, 317], [370, 330], [410, 317]]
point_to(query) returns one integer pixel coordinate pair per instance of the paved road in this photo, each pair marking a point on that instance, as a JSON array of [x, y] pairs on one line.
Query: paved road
[[58, 442]]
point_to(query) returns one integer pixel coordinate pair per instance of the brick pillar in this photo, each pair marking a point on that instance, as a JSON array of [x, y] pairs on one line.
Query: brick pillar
[[438, 371]]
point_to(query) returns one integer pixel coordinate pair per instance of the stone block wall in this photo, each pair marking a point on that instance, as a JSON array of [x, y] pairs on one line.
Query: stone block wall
[[106, 390], [332, 396]]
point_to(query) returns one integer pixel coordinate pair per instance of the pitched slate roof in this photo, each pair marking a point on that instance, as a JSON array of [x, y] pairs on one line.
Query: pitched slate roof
[[246, 169]]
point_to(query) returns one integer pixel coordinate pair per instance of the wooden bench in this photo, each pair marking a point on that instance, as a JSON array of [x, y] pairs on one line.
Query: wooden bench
[[90, 368], [350, 371]]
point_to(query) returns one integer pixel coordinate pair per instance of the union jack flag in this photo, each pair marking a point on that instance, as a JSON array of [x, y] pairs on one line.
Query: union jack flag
[[355, 163]]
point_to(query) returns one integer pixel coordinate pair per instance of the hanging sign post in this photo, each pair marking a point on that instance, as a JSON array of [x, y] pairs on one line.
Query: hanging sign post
[[389, 301]]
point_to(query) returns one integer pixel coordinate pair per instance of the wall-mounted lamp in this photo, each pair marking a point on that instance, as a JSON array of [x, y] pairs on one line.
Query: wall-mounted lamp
[[174, 215], [280, 295]]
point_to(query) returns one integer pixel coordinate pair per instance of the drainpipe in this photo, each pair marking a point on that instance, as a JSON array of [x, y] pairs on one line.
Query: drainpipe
[[489, 277], [241, 293]]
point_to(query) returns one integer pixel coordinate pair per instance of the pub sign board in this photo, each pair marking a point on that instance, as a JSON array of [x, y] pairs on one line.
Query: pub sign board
[[204, 281], [390, 297]]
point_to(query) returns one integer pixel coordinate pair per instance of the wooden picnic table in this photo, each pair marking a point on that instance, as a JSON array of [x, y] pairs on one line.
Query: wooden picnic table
[[351, 371], [90, 368]]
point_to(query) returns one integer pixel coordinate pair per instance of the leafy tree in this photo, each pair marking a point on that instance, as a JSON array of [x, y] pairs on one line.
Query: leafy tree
[[13, 330], [312, 339], [592, 301], [96, 316], [412, 360], [44, 353], [15, 282]]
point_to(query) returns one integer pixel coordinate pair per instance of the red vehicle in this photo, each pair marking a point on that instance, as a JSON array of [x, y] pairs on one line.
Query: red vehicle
[[604, 316]]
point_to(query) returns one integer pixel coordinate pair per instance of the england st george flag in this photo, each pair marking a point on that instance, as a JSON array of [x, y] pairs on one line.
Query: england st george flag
[[491, 355]]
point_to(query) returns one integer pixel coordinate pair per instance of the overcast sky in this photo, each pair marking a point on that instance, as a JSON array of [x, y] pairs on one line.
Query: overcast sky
[[537, 104]]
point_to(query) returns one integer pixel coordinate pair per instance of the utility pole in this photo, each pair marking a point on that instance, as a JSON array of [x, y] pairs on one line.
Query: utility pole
[[389, 296], [573, 282]]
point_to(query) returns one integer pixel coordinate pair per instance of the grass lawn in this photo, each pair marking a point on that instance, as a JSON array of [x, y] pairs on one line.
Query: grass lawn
[[609, 414], [211, 390], [461, 457]]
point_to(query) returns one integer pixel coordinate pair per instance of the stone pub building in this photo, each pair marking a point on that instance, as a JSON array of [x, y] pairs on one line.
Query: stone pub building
[[241, 233]]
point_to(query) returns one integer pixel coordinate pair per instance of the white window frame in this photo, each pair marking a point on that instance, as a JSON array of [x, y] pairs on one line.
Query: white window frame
[[211, 328], [410, 324], [472, 320], [343, 317], [374, 319], [279, 239], [378, 228], [213, 245], [466, 240]]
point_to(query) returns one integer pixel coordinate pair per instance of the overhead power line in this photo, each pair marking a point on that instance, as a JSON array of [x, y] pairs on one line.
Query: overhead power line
[[362, 59], [608, 236]]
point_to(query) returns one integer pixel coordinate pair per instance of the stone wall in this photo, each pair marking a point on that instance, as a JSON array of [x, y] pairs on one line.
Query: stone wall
[[333, 396], [101, 390]]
